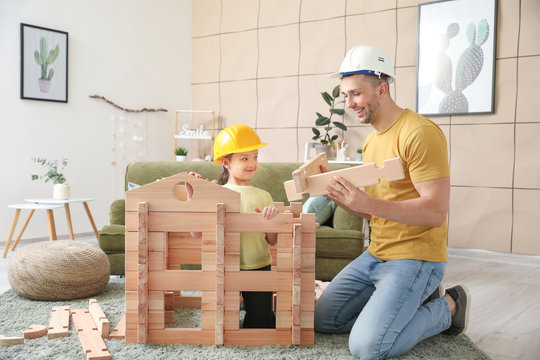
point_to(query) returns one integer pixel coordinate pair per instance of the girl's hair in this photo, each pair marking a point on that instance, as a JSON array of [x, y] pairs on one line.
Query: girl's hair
[[224, 177]]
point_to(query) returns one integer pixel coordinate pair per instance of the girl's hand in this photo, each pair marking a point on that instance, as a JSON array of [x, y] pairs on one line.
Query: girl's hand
[[268, 212], [197, 175]]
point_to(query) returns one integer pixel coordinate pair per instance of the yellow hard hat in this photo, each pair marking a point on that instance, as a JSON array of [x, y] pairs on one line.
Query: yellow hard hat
[[235, 139]]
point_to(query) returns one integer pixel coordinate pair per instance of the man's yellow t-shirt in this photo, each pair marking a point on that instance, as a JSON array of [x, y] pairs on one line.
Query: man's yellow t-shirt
[[421, 145], [254, 251]]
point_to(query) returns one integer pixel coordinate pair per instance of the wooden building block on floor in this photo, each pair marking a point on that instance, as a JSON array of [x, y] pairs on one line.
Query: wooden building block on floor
[[89, 336], [119, 331], [59, 322], [99, 317], [10, 340], [35, 331]]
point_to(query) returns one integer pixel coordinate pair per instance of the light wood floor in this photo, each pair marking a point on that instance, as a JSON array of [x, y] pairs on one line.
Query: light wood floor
[[505, 288]]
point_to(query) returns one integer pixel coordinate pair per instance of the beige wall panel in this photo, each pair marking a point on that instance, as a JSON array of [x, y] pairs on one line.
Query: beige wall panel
[[482, 155], [356, 136], [278, 51], [321, 9], [528, 78], [407, 27], [206, 97], [278, 12], [278, 102], [526, 237], [529, 43], [362, 7], [311, 101], [527, 170], [239, 56], [405, 94], [377, 29], [480, 218], [206, 17], [281, 145], [507, 28], [406, 3], [238, 15], [322, 46], [206, 66], [505, 97], [238, 103]]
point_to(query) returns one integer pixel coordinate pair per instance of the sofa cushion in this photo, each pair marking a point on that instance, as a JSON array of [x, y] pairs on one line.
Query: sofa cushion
[[321, 206], [117, 212], [111, 238], [343, 220], [339, 243]]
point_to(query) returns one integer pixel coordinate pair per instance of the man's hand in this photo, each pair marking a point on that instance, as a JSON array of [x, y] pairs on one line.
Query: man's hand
[[349, 197]]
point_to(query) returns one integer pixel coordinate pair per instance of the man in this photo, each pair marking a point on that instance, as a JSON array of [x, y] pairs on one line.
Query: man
[[389, 297]]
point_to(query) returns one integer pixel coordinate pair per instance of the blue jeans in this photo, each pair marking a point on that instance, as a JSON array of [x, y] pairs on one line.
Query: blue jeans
[[380, 303]]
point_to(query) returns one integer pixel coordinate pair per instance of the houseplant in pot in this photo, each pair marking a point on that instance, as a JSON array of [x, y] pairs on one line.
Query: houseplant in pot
[[54, 172], [181, 153], [325, 139]]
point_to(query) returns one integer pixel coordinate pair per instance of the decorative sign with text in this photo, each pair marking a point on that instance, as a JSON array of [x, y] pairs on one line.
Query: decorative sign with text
[[188, 133]]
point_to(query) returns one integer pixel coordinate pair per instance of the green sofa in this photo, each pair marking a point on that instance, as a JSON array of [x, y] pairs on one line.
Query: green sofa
[[339, 240]]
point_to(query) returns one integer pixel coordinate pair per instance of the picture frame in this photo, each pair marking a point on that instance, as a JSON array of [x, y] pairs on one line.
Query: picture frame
[[44, 64], [456, 57]]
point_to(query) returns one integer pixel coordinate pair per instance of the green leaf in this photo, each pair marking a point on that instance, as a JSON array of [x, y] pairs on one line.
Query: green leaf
[[335, 92], [329, 99], [337, 111], [342, 126], [322, 121], [334, 137], [316, 132]]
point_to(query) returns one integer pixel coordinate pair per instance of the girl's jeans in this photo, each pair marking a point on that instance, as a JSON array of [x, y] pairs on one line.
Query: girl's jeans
[[380, 303]]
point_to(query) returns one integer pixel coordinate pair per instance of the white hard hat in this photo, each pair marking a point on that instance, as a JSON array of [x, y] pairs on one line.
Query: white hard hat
[[366, 60]]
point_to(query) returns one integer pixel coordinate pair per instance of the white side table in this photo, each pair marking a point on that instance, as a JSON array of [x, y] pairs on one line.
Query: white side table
[[32, 208], [68, 213]]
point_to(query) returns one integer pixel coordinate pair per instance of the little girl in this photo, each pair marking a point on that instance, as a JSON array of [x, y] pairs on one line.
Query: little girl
[[236, 149]]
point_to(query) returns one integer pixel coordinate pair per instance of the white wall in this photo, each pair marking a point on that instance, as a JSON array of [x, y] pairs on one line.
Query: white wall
[[135, 52]]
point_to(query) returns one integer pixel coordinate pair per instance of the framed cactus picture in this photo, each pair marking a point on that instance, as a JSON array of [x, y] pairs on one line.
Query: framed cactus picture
[[44, 64], [456, 57]]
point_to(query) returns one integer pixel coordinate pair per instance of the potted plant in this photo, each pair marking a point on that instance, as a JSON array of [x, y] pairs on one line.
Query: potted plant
[[326, 140], [358, 156], [54, 173], [181, 153]]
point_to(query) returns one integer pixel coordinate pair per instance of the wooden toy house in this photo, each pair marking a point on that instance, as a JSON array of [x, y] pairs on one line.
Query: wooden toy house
[[159, 220]]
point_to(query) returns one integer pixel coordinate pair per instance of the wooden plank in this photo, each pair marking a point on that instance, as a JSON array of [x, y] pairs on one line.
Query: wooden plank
[[188, 336], [164, 195], [312, 167], [142, 287], [93, 345], [220, 273], [35, 331], [11, 340], [119, 331], [101, 321], [181, 280], [264, 281], [59, 322], [296, 283], [361, 175], [185, 256], [187, 301], [257, 337]]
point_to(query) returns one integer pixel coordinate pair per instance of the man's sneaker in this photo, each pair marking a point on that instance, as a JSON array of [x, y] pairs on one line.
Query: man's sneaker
[[460, 320], [435, 295]]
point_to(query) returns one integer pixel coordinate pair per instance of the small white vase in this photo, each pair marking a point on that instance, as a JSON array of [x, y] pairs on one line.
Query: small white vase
[[61, 192], [181, 157]]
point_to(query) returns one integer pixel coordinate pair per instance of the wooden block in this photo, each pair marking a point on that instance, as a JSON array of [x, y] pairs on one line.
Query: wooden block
[[156, 319], [295, 208], [257, 337], [188, 336], [254, 222], [132, 318], [12, 340], [361, 175], [185, 256], [181, 280], [35, 331], [187, 301], [99, 317], [265, 281], [59, 322], [89, 336], [156, 300], [119, 331], [310, 168], [169, 300]]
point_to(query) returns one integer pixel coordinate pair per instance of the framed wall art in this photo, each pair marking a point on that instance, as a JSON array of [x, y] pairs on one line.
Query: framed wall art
[[44, 64], [456, 57]]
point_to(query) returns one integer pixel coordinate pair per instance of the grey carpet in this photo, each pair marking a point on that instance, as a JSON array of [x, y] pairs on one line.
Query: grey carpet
[[17, 313]]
